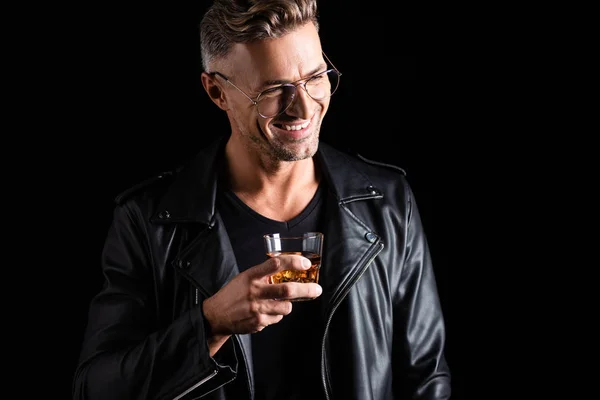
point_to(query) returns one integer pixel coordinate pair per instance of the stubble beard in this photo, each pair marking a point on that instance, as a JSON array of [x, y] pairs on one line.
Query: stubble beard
[[301, 150], [278, 151]]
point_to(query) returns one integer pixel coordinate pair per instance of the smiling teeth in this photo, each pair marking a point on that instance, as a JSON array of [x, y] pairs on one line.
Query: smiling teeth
[[296, 127]]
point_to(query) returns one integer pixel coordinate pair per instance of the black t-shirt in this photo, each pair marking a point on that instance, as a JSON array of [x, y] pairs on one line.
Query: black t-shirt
[[286, 355]]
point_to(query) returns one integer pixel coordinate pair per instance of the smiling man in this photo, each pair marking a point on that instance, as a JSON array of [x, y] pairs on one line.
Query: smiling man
[[187, 309]]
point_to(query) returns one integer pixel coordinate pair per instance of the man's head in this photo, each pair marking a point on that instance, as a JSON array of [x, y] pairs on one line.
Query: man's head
[[263, 64]]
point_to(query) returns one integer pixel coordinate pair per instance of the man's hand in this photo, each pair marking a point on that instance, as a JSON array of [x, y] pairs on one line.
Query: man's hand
[[249, 303]]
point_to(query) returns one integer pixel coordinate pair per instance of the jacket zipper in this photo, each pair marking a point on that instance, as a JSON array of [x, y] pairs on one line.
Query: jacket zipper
[[343, 294], [204, 380], [209, 377], [215, 372]]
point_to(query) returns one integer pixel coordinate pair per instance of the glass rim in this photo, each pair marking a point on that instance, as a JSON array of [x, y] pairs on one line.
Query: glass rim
[[275, 235]]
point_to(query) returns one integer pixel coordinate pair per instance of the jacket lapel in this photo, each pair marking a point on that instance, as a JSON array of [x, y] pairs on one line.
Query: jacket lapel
[[349, 244], [208, 260]]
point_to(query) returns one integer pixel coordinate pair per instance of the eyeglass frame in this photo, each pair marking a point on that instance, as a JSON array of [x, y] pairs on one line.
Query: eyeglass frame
[[295, 84]]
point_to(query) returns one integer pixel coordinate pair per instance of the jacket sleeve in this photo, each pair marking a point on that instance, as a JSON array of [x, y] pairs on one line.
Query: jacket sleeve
[[419, 337], [126, 353]]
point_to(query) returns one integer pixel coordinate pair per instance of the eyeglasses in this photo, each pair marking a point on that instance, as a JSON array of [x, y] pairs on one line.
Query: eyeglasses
[[276, 100]]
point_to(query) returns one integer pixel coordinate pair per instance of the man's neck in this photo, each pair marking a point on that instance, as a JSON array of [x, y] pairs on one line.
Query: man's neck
[[278, 190]]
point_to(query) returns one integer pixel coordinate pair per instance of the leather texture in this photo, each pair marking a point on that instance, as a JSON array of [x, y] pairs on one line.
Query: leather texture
[[383, 332]]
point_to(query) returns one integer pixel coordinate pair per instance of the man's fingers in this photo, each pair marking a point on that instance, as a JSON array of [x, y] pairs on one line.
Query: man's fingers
[[291, 290], [279, 263], [268, 321], [277, 307]]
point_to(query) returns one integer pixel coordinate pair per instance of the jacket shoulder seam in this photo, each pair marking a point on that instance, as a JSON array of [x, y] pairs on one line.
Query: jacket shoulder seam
[[381, 164], [129, 192]]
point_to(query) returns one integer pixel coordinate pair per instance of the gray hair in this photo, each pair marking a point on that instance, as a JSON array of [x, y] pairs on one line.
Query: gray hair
[[228, 22]]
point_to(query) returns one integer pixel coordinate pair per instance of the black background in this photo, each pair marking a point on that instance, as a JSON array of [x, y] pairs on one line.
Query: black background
[[136, 107]]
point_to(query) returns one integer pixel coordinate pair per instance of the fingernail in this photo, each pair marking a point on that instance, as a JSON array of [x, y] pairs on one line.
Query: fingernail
[[306, 263], [319, 290]]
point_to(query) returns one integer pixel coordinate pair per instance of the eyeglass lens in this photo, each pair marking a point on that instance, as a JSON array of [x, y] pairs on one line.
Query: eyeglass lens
[[276, 100]]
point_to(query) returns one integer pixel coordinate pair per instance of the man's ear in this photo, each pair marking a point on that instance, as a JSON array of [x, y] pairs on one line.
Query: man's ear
[[214, 90]]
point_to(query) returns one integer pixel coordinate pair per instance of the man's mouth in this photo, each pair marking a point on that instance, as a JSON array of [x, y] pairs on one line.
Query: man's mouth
[[293, 127]]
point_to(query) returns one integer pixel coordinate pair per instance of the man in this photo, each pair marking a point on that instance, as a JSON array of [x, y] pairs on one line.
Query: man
[[187, 310]]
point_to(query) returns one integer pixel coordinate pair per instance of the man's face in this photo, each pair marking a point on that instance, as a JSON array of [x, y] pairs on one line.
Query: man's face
[[258, 66]]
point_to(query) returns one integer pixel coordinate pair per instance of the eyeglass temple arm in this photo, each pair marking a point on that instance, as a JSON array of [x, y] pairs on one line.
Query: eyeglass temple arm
[[232, 84], [327, 58]]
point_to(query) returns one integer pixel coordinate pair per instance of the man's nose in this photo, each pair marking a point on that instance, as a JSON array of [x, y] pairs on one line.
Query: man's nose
[[302, 103]]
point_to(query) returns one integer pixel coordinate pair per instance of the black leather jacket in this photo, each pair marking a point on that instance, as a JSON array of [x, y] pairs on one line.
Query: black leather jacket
[[383, 332]]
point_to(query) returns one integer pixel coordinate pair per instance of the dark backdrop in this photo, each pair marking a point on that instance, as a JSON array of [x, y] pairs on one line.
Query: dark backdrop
[[138, 108]]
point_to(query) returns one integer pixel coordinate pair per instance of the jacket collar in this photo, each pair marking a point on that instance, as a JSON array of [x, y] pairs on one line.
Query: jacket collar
[[192, 195]]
